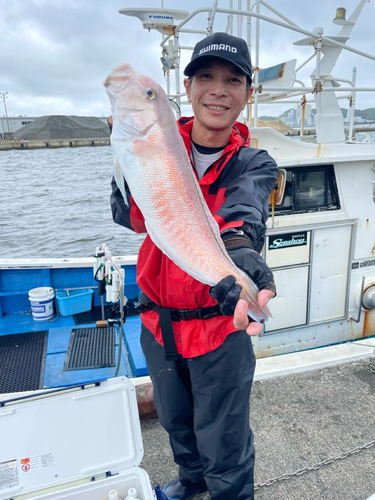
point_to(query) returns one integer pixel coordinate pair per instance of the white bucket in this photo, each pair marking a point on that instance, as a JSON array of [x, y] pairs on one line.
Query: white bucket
[[41, 300]]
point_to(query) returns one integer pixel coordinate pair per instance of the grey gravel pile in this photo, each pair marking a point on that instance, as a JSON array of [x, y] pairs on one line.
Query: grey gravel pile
[[63, 127]]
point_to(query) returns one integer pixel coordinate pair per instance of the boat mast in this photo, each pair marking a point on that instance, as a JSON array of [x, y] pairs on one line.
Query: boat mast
[[329, 121]]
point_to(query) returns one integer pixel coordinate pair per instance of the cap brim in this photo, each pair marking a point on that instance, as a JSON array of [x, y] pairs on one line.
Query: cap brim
[[194, 65]]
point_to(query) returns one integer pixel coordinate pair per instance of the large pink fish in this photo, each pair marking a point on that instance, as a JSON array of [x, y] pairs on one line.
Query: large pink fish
[[152, 157]]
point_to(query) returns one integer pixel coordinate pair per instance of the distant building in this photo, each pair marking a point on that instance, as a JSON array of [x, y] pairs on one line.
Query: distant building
[[295, 116], [307, 120], [8, 127]]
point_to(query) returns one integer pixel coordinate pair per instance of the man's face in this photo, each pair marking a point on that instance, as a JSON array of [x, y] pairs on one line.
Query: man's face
[[218, 94]]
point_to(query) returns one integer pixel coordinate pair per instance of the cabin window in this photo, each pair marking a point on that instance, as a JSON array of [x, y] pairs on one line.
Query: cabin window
[[309, 189]]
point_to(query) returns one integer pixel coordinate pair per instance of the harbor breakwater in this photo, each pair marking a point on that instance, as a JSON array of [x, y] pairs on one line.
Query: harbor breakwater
[[7, 145], [59, 131]]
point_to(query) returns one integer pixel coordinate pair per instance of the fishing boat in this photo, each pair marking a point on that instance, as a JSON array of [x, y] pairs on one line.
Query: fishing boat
[[71, 323]]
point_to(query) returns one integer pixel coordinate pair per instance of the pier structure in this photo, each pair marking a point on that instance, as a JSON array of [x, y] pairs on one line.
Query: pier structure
[[6, 145]]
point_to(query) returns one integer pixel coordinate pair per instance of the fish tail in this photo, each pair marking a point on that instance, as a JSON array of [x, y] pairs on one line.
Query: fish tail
[[257, 313], [268, 312]]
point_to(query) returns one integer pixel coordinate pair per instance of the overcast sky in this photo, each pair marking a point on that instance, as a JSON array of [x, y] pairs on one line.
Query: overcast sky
[[55, 54]]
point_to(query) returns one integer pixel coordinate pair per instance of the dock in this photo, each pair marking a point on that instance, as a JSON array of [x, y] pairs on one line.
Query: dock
[[7, 145], [312, 414], [300, 421]]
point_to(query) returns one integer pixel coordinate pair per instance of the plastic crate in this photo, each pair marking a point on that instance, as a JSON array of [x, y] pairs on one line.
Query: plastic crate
[[78, 301]]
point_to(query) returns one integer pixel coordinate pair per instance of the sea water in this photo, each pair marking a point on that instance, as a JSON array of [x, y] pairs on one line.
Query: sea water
[[55, 203]]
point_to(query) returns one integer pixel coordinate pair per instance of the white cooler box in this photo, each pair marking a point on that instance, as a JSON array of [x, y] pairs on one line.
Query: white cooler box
[[77, 443]]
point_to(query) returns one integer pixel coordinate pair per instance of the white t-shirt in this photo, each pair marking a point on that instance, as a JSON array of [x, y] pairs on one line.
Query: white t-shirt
[[203, 160]]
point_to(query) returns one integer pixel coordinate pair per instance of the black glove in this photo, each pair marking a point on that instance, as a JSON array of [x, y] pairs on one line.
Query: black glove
[[241, 251], [226, 293]]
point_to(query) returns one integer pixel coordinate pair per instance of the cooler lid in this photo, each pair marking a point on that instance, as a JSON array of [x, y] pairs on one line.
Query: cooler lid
[[67, 435]]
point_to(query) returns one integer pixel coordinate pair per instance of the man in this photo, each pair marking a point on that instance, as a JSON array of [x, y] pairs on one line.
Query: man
[[202, 387]]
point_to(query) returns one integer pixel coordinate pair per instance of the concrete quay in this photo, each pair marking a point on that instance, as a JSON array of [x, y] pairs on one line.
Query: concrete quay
[[312, 414], [300, 421], [53, 143]]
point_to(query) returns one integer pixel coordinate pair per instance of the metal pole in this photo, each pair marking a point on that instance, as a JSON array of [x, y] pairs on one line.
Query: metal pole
[[168, 79], [313, 89], [352, 106], [123, 301], [239, 20], [211, 18], [176, 44], [4, 96], [318, 60], [272, 21], [277, 13], [256, 69], [230, 17], [248, 30], [303, 109], [248, 41]]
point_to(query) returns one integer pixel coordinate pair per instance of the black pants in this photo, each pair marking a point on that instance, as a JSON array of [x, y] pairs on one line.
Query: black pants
[[203, 404]]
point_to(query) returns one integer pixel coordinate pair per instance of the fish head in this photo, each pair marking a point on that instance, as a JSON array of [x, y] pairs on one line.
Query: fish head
[[138, 104]]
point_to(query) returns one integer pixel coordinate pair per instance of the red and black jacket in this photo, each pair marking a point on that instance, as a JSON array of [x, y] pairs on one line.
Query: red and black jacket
[[236, 188]]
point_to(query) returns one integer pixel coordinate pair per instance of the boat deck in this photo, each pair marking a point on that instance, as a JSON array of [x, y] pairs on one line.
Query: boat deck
[[298, 421], [132, 360]]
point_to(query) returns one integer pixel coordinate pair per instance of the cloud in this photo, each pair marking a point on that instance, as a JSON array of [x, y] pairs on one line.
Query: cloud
[[55, 55]]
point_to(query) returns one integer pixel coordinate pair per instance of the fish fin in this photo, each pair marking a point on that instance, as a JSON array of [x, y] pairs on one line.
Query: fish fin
[[211, 220], [268, 311], [258, 313], [174, 256], [159, 243], [145, 148], [119, 178], [250, 295]]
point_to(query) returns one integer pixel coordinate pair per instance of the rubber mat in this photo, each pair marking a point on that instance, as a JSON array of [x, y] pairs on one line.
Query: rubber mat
[[96, 314], [22, 361], [89, 316], [90, 348]]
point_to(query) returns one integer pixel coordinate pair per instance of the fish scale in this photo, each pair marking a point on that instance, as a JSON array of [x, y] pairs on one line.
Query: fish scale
[[151, 156]]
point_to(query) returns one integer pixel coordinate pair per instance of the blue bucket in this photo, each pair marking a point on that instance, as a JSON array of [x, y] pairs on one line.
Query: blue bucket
[[77, 302]]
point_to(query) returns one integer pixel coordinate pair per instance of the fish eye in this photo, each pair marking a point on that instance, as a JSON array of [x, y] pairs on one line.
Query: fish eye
[[151, 93]]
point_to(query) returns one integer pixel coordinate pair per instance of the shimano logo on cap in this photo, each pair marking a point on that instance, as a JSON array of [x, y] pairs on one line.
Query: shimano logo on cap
[[216, 46]]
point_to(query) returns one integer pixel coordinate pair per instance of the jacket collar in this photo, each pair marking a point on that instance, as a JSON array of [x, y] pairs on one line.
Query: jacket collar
[[240, 135]]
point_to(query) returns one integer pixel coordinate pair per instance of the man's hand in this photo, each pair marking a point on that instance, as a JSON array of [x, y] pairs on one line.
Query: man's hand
[[227, 293], [241, 251], [241, 320], [110, 123]]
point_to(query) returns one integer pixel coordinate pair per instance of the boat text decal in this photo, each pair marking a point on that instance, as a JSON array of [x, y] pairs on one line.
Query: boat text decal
[[287, 240], [365, 263]]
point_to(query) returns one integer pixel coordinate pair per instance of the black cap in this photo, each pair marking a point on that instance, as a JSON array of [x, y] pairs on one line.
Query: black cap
[[221, 46]]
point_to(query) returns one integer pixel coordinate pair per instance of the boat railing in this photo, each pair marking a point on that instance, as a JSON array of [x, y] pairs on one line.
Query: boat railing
[[325, 55]]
